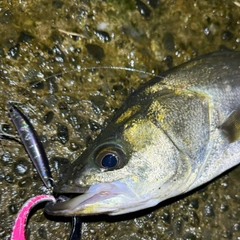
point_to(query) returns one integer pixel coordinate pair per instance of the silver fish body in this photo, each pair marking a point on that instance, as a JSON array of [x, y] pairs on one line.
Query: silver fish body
[[173, 134]]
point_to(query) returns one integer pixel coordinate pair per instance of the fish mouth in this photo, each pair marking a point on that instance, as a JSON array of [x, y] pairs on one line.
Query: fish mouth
[[101, 198]]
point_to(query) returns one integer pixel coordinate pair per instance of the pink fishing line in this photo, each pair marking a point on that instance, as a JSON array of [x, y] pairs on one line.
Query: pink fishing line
[[18, 232]]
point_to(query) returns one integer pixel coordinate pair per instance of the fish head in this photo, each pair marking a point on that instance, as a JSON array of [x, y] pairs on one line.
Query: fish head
[[170, 136], [131, 166]]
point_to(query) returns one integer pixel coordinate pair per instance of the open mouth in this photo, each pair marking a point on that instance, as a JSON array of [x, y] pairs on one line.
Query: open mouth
[[101, 198], [65, 202], [80, 205]]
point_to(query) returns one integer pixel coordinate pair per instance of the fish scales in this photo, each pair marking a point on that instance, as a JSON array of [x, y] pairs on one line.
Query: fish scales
[[171, 135]]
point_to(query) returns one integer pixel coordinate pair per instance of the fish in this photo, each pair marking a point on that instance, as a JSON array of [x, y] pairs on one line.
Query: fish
[[176, 132]]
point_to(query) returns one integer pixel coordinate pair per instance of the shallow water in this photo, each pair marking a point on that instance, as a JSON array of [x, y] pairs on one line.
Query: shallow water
[[43, 38]]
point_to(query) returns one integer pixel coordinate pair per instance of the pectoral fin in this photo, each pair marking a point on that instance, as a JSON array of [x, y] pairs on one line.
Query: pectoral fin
[[231, 126]]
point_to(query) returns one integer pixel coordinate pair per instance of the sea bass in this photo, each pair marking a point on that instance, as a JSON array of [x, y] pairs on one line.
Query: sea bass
[[173, 134]]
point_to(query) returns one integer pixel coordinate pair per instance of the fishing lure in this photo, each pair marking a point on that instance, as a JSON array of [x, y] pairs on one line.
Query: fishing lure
[[37, 154], [33, 146], [18, 232], [76, 228], [19, 227]]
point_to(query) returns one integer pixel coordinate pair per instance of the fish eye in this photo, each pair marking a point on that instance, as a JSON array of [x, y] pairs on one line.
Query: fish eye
[[109, 161], [110, 158]]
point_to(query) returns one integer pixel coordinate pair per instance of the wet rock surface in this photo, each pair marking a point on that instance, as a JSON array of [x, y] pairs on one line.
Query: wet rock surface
[[50, 54]]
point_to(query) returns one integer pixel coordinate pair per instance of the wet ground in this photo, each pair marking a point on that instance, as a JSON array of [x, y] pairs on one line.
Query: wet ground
[[57, 41]]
